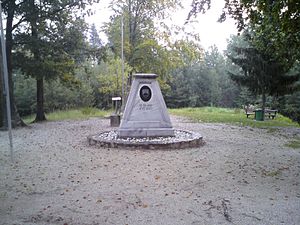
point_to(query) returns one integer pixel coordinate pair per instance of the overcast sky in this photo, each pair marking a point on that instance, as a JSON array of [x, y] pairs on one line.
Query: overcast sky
[[211, 32]]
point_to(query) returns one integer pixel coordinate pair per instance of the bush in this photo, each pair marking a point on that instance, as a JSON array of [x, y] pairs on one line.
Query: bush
[[25, 94], [58, 95], [289, 106]]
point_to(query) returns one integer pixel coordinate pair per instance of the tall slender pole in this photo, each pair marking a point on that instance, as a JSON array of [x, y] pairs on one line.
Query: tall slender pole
[[6, 86], [122, 56]]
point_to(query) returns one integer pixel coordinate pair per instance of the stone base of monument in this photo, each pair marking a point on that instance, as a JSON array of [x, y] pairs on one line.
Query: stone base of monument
[[181, 139], [145, 132]]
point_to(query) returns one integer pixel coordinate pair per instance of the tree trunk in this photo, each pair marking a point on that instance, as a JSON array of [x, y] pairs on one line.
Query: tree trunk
[[40, 114], [16, 119]]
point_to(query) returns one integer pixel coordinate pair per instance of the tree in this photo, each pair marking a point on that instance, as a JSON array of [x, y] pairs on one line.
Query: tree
[[25, 93], [202, 81], [179, 93], [276, 24], [10, 8], [289, 105], [148, 49], [110, 79], [96, 47], [144, 48], [215, 64], [95, 40], [49, 53], [42, 19], [262, 74]]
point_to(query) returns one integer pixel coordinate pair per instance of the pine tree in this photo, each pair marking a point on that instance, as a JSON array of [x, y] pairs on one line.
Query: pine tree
[[262, 74], [95, 40], [97, 50]]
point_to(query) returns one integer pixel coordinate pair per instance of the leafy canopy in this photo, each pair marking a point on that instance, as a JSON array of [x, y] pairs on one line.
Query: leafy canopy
[[147, 48], [276, 24]]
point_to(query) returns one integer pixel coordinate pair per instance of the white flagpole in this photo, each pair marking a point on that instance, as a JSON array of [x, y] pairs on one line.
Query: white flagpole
[[122, 56], [6, 87]]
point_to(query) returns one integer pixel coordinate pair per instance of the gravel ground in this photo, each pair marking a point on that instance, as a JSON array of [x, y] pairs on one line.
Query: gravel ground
[[241, 176]]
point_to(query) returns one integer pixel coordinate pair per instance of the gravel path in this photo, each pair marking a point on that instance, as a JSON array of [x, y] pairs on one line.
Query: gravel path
[[241, 176]]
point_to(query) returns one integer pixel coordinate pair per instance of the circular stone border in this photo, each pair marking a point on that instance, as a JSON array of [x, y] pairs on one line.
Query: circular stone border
[[182, 139]]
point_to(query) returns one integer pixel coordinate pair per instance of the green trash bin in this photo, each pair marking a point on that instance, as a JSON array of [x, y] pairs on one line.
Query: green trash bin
[[259, 115]]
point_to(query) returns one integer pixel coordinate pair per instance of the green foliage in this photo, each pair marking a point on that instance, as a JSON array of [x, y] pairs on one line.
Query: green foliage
[[290, 106], [224, 92], [230, 116], [202, 83], [293, 144], [46, 37], [58, 95], [147, 48], [97, 51], [246, 97], [276, 24], [25, 94], [179, 93], [95, 40], [262, 73], [49, 56], [49, 39], [138, 28], [87, 74], [109, 77], [50, 42]]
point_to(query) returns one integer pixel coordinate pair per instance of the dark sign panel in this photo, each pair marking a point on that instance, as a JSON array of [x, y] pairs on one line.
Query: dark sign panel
[[145, 93]]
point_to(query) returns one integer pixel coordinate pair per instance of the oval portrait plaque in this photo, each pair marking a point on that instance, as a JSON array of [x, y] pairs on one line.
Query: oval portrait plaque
[[145, 93]]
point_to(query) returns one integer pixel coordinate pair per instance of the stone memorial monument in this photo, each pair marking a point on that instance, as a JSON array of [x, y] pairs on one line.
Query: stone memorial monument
[[146, 123], [145, 113]]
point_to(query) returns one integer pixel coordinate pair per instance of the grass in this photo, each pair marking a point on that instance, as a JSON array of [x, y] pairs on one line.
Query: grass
[[72, 114], [231, 116], [272, 173], [204, 114], [293, 144]]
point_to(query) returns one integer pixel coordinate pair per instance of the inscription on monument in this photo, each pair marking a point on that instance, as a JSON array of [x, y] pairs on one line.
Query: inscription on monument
[[144, 107]]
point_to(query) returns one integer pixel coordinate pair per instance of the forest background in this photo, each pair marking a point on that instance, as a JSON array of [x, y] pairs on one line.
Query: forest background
[[57, 61]]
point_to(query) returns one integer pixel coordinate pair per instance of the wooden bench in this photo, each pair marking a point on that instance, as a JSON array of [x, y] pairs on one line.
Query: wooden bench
[[249, 111], [271, 113]]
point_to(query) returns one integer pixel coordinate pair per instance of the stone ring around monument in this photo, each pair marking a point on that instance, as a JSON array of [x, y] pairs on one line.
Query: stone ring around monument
[[182, 139]]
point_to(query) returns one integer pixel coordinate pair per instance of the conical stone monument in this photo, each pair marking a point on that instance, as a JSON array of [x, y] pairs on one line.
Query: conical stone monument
[[145, 113]]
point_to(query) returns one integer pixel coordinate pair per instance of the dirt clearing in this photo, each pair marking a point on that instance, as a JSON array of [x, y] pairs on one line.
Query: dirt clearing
[[241, 176]]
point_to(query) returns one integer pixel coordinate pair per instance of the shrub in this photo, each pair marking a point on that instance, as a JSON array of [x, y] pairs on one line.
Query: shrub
[[58, 95]]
